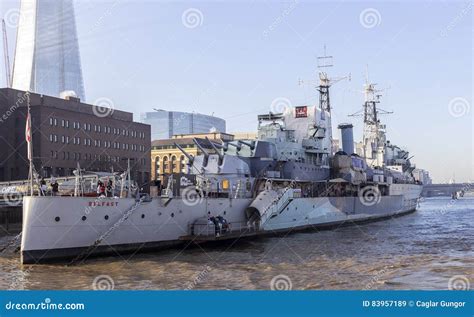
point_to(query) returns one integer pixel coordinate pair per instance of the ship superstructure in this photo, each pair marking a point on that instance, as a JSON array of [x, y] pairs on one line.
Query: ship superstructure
[[288, 179]]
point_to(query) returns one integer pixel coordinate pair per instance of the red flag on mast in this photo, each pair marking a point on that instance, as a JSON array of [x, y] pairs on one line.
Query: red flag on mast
[[28, 135]]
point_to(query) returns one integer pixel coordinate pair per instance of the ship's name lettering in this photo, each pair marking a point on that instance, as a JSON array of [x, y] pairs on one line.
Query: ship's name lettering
[[103, 203]]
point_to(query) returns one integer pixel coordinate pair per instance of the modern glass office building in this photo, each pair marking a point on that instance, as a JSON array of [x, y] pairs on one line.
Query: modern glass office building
[[165, 124], [47, 59]]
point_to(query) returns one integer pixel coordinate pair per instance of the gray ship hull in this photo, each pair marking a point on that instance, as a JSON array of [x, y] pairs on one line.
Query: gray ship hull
[[57, 228]]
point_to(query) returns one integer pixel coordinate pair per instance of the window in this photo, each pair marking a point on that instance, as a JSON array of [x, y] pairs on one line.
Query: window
[[157, 167], [67, 124], [173, 163], [63, 123], [55, 122], [165, 164], [182, 163], [51, 121]]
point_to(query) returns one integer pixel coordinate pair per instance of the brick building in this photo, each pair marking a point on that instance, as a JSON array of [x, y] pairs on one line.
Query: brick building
[[67, 131]]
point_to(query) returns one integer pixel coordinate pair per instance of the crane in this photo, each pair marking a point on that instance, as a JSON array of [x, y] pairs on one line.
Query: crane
[[5, 55]]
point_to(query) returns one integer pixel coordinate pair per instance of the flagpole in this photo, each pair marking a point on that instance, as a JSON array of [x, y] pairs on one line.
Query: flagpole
[[29, 140]]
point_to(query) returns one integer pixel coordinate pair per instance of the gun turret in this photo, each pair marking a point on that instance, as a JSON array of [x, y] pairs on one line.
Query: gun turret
[[236, 145], [206, 155], [214, 146], [250, 145], [189, 157]]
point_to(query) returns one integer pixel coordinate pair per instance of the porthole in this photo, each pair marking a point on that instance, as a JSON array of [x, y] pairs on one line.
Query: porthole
[[172, 214], [106, 217], [84, 218], [57, 219], [143, 216]]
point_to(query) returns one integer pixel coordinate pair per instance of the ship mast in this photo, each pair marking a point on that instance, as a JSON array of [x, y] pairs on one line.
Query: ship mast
[[374, 133], [325, 82]]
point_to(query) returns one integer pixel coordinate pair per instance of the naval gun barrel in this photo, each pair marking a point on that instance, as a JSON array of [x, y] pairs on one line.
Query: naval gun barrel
[[190, 158], [251, 145], [237, 146], [206, 155], [215, 147]]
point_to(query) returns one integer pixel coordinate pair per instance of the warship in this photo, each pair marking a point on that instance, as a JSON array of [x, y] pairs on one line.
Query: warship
[[289, 178]]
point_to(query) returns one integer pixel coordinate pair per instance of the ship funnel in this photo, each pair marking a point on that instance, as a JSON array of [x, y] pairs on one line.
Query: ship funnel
[[218, 152], [347, 137], [190, 158], [206, 155]]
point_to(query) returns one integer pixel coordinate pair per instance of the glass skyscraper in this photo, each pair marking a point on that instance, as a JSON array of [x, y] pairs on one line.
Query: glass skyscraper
[[165, 124], [47, 59]]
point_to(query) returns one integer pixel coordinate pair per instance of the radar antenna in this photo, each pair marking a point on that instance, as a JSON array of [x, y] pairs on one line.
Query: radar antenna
[[325, 82]]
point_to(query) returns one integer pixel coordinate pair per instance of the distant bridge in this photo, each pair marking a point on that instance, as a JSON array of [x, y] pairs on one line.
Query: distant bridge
[[433, 190]]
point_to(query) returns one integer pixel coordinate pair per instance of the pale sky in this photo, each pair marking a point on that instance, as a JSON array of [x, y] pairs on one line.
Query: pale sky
[[232, 59]]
